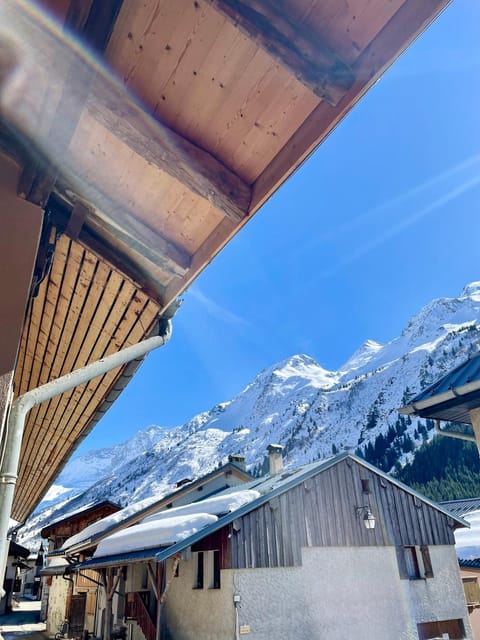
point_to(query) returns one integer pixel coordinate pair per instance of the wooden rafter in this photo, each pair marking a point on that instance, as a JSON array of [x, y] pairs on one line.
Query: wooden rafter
[[193, 167], [292, 45]]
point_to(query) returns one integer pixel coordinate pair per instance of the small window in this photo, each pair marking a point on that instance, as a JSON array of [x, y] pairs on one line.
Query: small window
[[213, 568], [411, 562], [427, 563], [198, 583], [414, 562]]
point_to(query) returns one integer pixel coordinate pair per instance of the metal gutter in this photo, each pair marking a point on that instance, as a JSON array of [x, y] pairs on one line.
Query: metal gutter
[[23, 404], [420, 405], [141, 555]]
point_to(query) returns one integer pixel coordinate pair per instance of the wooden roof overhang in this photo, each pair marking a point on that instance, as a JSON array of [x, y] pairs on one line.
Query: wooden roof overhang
[[145, 179]]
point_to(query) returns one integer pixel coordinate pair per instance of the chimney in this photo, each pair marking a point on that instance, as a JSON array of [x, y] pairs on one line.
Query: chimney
[[275, 459], [238, 460]]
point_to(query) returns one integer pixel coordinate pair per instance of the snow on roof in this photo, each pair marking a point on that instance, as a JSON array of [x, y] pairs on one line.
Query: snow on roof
[[57, 562], [55, 566], [467, 541], [214, 506], [105, 523], [173, 525], [153, 534]]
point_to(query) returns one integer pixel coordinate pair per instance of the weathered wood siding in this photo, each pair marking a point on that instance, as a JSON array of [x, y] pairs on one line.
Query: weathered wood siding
[[321, 512]]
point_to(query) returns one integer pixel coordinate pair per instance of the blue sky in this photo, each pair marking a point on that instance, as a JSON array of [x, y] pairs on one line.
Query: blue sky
[[379, 221]]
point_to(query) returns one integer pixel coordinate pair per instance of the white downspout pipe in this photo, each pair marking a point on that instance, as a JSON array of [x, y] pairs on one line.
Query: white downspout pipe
[[453, 434], [22, 405]]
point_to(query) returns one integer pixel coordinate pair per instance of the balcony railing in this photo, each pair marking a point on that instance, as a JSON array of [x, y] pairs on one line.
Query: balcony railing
[[135, 609]]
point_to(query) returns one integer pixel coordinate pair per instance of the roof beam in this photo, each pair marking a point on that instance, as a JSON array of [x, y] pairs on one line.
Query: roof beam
[[292, 45], [173, 154]]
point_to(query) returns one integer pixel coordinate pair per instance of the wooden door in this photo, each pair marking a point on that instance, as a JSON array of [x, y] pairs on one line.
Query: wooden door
[[77, 615]]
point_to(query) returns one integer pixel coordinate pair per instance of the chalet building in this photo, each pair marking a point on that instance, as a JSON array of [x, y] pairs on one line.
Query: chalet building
[[60, 599], [29, 578], [16, 560], [76, 597], [335, 549]]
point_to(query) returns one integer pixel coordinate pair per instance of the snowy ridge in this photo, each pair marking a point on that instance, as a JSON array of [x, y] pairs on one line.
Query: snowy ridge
[[296, 403]]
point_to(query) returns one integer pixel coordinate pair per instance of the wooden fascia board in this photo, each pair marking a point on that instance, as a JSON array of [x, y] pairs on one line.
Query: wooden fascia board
[[293, 46], [170, 152], [402, 29], [219, 237]]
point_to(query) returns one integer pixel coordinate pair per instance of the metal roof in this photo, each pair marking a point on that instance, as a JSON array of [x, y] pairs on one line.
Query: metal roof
[[17, 550], [270, 487], [473, 563], [452, 397], [461, 507]]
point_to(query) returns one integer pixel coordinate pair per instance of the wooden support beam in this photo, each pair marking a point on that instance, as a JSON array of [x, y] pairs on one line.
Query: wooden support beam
[[152, 578], [292, 45], [195, 168]]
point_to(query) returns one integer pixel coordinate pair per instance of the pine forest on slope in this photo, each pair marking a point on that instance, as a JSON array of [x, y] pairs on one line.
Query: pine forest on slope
[[312, 412]]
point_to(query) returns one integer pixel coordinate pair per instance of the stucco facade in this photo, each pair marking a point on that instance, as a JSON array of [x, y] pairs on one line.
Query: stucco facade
[[203, 614], [325, 598], [57, 603]]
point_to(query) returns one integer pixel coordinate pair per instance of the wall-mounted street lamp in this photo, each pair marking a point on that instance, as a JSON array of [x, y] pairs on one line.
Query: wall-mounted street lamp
[[368, 517]]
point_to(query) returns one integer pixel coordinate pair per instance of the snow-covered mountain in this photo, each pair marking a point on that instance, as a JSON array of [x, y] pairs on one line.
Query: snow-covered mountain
[[310, 411]]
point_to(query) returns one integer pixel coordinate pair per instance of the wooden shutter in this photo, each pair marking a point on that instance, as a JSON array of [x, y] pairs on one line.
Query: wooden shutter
[[427, 563]]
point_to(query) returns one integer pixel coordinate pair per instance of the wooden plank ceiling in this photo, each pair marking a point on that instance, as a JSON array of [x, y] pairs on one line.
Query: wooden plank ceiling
[[146, 178]]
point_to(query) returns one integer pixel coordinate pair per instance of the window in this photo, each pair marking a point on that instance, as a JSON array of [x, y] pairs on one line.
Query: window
[[411, 562], [213, 569], [198, 583], [451, 629], [414, 562], [427, 563]]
